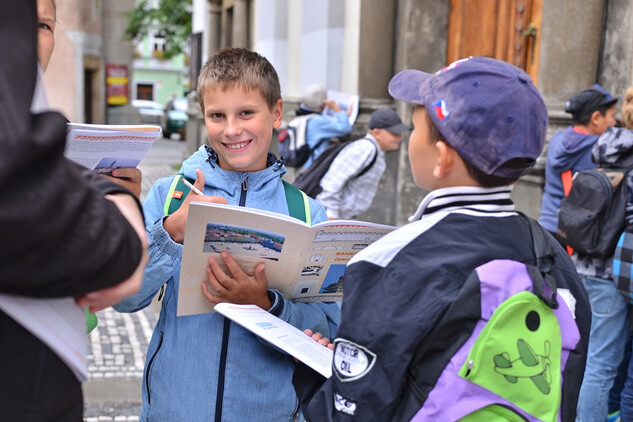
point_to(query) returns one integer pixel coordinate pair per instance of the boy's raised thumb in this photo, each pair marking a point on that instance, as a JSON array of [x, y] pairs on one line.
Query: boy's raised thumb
[[199, 183]]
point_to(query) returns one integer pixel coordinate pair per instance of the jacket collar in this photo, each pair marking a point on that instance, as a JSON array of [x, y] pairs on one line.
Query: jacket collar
[[485, 200]]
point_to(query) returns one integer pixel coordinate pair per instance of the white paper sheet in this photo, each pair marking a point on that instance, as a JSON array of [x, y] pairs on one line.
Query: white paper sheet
[[281, 334], [59, 323]]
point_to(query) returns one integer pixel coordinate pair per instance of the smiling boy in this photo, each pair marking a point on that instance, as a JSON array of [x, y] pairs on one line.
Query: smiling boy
[[203, 367]]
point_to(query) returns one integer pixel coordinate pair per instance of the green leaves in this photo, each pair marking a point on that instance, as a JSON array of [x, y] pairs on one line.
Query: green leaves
[[171, 20]]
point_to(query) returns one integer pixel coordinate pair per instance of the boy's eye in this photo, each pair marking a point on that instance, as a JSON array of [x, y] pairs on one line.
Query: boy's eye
[[247, 113], [216, 115]]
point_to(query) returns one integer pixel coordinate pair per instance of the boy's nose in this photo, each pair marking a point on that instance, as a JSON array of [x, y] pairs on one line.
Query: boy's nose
[[233, 127]]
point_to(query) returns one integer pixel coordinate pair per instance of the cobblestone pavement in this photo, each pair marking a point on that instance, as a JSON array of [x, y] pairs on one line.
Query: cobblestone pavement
[[115, 360], [118, 344]]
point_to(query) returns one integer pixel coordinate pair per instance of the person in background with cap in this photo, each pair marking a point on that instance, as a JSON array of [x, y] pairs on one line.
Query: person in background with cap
[[399, 288], [593, 111], [611, 313], [345, 194], [321, 128]]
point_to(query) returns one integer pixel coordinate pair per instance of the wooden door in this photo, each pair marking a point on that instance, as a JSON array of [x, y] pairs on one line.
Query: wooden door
[[508, 30]]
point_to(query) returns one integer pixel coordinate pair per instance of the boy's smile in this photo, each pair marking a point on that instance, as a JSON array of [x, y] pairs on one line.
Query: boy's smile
[[239, 126]]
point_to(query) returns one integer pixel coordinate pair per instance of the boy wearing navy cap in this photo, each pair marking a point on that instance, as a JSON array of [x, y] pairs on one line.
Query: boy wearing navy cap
[[593, 111], [350, 184], [479, 124]]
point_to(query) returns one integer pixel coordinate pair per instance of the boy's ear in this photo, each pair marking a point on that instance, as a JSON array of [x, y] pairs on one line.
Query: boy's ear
[[445, 159], [595, 117], [278, 113]]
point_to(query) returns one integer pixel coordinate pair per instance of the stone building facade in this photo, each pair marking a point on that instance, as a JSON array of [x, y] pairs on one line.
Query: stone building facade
[[88, 36], [356, 46]]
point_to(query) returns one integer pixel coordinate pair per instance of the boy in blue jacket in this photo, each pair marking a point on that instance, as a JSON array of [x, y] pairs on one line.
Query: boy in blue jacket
[[569, 151], [203, 367], [479, 124]]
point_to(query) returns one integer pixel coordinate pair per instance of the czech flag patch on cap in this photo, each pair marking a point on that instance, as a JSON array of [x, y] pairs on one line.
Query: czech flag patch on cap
[[440, 109]]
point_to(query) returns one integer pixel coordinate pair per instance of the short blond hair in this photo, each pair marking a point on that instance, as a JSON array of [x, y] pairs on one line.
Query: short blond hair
[[627, 109], [239, 67]]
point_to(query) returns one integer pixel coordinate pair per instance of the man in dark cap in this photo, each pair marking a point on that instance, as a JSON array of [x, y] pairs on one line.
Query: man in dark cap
[[593, 111], [351, 183], [67, 233]]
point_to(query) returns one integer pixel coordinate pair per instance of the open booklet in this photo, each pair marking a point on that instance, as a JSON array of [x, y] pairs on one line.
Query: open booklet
[[305, 263], [58, 322], [103, 148], [346, 102], [280, 334]]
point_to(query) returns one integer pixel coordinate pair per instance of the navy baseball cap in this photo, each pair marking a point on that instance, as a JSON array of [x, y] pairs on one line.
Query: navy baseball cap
[[588, 101], [388, 119], [487, 109]]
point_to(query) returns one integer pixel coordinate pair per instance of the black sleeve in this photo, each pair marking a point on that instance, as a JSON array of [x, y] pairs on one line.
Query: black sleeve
[[59, 235]]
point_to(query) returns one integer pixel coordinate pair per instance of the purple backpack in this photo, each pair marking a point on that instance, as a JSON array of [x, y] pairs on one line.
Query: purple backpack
[[500, 351]]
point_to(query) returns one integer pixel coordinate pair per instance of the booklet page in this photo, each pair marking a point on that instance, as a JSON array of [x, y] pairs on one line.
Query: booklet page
[[281, 334]]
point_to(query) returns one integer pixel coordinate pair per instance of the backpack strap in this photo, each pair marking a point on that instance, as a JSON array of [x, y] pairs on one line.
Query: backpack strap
[[177, 193], [544, 254], [298, 203], [371, 164], [567, 179]]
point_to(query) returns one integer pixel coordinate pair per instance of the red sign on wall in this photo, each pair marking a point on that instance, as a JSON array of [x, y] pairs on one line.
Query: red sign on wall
[[117, 81]]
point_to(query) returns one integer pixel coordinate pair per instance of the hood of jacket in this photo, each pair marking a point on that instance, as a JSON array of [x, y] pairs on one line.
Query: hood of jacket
[[615, 145]]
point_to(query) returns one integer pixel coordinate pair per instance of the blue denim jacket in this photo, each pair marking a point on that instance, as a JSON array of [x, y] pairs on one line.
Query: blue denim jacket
[[203, 367]]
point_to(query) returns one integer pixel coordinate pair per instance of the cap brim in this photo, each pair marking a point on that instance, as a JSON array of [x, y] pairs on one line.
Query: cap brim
[[405, 85], [398, 129]]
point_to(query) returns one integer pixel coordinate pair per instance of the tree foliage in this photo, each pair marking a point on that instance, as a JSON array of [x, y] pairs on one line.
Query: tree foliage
[[170, 20]]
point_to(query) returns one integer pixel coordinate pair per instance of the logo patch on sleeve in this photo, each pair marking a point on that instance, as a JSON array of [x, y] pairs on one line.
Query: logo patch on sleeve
[[351, 361], [344, 405]]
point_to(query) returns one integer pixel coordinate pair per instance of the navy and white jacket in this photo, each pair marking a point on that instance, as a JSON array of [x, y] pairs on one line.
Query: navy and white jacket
[[397, 289]]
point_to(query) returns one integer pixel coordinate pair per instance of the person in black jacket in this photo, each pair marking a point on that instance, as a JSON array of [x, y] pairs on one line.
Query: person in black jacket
[[66, 231], [479, 125]]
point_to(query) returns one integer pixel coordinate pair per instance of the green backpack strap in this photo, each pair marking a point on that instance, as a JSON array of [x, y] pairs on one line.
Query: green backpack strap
[[178, 191], [298, 203]]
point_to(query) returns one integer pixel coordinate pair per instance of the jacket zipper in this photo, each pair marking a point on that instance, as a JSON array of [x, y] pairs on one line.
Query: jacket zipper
[[219, 398], [243, 192], [149, 367], [225, 337]]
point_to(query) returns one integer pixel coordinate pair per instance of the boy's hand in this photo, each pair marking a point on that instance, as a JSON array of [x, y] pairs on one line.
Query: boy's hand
[[318, 337], [130, 178], [176, 222], [239, 288]]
